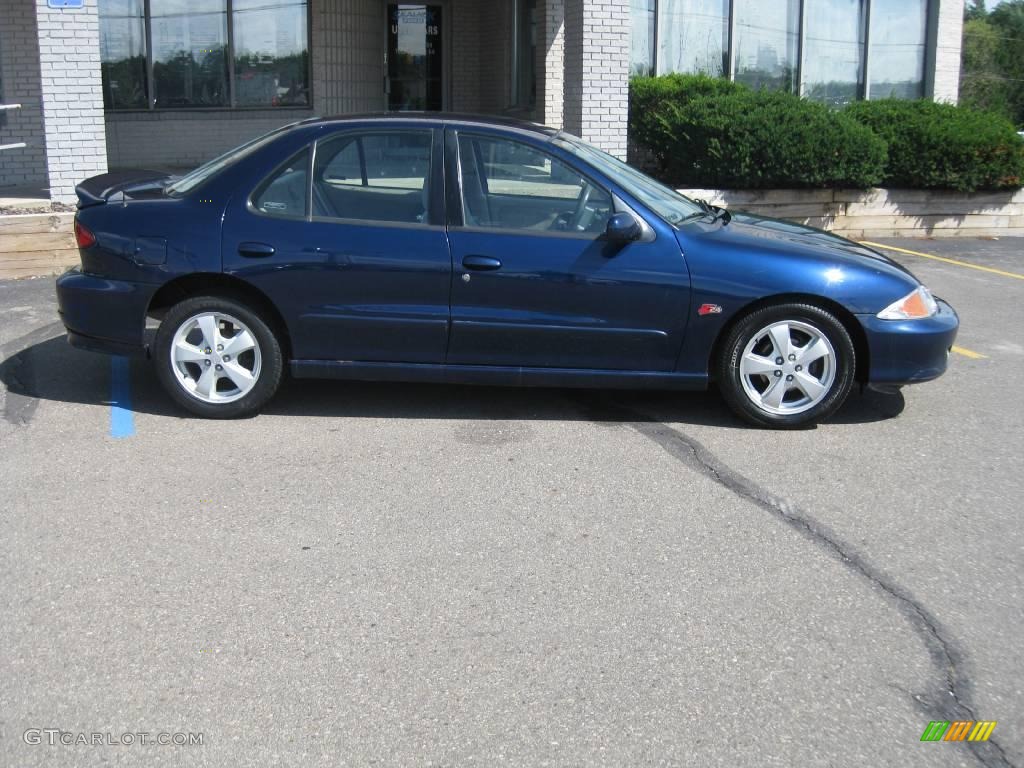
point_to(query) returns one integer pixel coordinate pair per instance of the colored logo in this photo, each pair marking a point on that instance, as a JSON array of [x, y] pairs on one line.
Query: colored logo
[[958, 730]]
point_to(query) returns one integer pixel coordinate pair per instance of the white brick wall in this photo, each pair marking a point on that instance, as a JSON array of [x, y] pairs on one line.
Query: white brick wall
[[72, 96], [597, 38], [550, 62], [947, 50], [19, 73]]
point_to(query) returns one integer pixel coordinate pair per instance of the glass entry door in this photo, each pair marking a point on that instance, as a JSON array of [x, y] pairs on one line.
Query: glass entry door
[[415, 57]]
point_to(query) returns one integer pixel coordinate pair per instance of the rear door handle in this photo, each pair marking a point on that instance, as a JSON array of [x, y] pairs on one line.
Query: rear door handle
[[255, 250], [483, 263]]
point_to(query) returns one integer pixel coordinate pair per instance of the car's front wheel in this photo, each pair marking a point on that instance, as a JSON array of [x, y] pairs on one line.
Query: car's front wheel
[[217, 358], [786, 366]]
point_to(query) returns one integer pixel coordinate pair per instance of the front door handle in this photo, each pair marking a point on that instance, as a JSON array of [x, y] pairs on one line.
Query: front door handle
[[483, 263], [255, 250]]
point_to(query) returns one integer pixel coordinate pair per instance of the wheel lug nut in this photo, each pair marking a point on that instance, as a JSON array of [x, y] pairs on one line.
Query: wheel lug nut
[[778, 361], [799, 368], [220, 368], [220, 347], [778, 373], [792, 357], [207, 363], [788, 378], [227, 358]]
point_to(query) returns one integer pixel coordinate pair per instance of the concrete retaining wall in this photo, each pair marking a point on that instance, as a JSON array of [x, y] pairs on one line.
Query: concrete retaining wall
[[864, 214]]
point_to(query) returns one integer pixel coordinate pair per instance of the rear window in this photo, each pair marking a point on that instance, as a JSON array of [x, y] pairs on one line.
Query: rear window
[[207, 171]]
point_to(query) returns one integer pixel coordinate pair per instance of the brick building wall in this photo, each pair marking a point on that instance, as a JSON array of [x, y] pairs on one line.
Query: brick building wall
[[597, 38], [19, 74]]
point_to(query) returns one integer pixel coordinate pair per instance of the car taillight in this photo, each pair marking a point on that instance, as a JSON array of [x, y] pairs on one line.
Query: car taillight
[[83, 235]]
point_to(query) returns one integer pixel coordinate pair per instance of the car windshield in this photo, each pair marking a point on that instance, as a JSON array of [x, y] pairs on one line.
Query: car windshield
[[666, 202], [193, 179]]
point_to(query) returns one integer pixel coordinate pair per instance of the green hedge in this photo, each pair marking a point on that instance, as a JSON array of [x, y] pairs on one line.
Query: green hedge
[[941, 146], [712, 133], [708, 132]]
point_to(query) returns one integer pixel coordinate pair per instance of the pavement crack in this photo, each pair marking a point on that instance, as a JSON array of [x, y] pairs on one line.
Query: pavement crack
[[952, 696]]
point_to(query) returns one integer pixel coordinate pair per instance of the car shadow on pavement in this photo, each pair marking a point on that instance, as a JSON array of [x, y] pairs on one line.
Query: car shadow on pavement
[[52, 370]]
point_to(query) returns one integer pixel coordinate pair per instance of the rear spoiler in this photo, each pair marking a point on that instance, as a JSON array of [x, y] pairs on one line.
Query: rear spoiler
[[100, 189]]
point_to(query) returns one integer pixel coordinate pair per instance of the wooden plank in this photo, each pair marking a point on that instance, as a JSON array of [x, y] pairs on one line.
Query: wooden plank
[[42, 241], [25, 224]]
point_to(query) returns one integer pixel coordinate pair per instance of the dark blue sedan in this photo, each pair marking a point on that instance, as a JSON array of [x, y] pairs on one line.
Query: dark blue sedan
[[450, 248]]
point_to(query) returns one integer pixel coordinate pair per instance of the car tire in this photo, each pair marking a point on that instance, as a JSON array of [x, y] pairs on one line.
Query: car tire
[[217, 358], [786, 366]]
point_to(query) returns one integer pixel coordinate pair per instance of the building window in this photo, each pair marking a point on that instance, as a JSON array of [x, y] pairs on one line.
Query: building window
[[644, 16], [897, 46], [123, 54], [834, 51], [694, 36], [812, 47], [204, 53], [767, 45], [524, 67]]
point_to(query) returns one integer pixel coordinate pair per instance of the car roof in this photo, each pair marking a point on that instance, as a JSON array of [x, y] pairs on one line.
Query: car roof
[[440, 118]]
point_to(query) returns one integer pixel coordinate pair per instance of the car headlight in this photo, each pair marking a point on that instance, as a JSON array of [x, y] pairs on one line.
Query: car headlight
[[917, 304]]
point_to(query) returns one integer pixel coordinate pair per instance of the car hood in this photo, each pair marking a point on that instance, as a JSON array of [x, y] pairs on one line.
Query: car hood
[[748, 231]]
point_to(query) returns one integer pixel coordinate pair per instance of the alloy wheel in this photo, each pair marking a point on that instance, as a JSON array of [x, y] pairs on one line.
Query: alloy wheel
[[787, 367], [215, 357]]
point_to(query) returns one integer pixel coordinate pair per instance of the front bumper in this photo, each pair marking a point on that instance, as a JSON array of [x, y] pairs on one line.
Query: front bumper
[[910, 351], [104, 315]]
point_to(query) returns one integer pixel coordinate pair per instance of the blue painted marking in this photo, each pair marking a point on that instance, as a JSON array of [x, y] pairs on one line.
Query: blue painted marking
[[122, 420], [65, 3]]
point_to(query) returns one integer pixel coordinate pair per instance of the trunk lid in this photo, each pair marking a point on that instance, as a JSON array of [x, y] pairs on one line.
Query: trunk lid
[[120, 185]]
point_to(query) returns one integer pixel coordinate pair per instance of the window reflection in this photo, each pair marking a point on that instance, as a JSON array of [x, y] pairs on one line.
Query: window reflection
[[834, 50], [898, 34], [189, 45], [643, 15], [767, 37], [123, 54], [695, 36], [271, 59]]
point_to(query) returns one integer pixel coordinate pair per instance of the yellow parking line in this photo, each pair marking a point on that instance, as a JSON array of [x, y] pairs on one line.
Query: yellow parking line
[[943, 258], [969, 353]]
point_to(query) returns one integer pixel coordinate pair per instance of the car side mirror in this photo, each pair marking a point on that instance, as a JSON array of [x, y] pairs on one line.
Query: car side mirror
[[623, 228]]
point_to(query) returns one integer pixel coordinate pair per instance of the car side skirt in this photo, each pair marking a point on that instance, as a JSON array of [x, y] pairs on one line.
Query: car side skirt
[[496, 375]]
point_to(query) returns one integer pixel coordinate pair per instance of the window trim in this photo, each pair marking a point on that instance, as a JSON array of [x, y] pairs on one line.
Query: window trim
[[229, 47], [463, 227], [430, 180]]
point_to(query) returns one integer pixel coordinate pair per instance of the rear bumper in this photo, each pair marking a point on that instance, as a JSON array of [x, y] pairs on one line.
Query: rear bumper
[[910, 351], [104, 315]]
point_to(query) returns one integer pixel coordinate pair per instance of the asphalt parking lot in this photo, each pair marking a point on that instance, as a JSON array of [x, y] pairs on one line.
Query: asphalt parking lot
[[422, 575]]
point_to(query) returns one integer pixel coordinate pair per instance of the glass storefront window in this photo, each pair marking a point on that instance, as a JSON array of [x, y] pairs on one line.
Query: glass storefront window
[[271, 59], [694, 36], [189, 53], [644, 22], [190, 39], [834, 51], [898, 35], [123, 54], [767, 43]]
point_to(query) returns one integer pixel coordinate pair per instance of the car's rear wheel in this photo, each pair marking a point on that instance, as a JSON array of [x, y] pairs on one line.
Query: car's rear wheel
[[217, 358], [786, 366]]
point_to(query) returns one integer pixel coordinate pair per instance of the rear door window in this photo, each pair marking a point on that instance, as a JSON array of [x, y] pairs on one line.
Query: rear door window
[[380, 177]]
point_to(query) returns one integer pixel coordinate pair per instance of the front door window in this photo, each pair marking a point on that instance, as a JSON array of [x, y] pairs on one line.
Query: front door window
[[415, 57]]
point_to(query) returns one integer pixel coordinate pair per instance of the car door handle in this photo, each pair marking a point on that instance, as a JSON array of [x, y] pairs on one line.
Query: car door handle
[[483, 263], [255, 250]]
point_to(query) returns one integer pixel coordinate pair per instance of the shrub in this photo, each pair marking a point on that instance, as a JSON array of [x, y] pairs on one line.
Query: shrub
[[941, 146], [707, 132]]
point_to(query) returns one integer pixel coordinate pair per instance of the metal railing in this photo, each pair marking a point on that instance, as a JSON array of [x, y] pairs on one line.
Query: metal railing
[[17, 145]]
